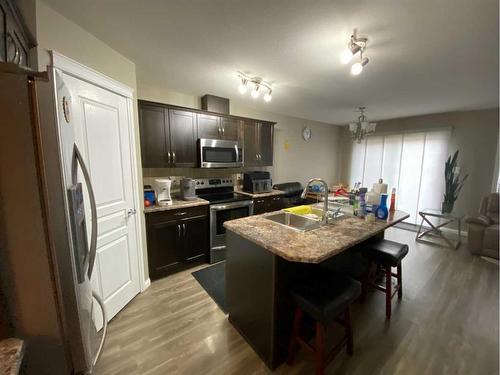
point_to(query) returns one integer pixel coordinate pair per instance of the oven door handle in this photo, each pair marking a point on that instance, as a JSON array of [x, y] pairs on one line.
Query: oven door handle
[[221, 207]]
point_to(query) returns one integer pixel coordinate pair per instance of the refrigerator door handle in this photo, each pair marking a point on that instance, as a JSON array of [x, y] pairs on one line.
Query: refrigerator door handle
[[93, 207], [104, 326]]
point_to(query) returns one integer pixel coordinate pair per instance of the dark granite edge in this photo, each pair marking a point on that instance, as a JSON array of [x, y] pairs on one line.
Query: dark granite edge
[[230, 225]]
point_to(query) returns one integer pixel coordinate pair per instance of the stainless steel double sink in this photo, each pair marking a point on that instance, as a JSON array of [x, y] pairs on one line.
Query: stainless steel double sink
[[297, 222], [303, 223]]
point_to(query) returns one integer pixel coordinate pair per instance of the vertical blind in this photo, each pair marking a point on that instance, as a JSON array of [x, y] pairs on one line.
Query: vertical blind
[[413, 163]]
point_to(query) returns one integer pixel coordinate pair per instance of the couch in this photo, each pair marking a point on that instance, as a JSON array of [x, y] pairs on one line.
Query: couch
[[483, 228]]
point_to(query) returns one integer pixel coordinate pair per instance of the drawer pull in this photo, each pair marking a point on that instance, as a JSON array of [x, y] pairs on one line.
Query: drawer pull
[[180, 213]]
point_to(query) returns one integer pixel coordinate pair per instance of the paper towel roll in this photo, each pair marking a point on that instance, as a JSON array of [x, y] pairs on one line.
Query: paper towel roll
[[380, 188]]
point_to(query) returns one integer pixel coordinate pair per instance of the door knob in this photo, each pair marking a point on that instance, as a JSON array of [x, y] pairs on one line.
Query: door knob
[[131, 211]]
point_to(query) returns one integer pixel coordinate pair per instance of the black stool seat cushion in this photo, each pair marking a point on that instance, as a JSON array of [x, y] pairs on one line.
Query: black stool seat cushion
[[324, 295], [386, 252]]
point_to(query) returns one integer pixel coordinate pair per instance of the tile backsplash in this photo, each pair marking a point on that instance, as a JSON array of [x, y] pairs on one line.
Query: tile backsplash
[[176, 174]]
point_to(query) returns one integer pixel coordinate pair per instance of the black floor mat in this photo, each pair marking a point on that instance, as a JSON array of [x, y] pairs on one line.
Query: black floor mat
[[213, 280]]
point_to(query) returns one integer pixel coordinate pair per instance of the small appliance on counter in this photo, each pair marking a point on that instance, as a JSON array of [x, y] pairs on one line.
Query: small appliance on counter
[[188, 186], [257, 182], [162, 188], [149, 195]]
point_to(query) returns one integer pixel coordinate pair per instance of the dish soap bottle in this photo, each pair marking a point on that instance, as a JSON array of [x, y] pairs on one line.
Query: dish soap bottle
[[393, 200], [382, 211]]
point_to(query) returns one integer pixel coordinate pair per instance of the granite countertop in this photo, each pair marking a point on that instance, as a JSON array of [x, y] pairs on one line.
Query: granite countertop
[[11, 356], [262, 195], [315, 245], [177, 204]]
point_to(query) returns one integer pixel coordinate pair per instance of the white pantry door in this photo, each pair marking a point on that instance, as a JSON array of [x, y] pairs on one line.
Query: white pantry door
[[101, 121]]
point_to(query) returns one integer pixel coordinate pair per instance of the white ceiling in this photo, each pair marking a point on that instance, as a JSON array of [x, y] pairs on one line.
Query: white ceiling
[[426, 56]]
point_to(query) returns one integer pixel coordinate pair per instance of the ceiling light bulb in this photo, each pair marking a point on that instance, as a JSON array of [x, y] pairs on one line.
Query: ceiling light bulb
[[268, 96], [357, 68], [255, 92], [242, 88]]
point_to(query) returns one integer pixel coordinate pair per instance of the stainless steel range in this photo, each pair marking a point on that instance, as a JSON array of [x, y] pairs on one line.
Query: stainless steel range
[[225, 204]]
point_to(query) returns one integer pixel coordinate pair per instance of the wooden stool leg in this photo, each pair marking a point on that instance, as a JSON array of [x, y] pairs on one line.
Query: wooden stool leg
[[349, 330], [295, 333], [400, 282], [320, 349], [388, 292]]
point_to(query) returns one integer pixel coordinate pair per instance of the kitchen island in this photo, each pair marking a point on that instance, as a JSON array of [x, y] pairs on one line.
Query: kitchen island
[[265, 258]]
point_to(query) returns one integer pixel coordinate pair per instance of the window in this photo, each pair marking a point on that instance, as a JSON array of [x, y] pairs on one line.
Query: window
[[413, 163]]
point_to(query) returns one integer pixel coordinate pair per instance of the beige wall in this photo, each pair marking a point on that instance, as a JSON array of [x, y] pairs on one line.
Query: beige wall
[[74, 42], [294, 159], [474, 133]]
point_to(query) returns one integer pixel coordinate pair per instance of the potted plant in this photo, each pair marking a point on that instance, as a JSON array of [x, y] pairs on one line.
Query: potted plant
[[453, 184]]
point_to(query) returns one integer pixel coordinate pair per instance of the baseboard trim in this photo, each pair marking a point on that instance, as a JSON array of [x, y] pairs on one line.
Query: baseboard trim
[[146, 285]]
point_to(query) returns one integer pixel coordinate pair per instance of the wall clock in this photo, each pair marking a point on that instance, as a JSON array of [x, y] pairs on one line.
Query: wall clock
[[306, 133]]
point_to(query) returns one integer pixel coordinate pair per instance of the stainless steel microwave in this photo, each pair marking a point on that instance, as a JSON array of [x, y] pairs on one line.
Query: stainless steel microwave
[[217, 153]]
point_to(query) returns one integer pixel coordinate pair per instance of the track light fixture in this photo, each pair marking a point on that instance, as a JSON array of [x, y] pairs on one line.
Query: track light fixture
[[255, 92], [243, 87], [357, 44], [258, 86]]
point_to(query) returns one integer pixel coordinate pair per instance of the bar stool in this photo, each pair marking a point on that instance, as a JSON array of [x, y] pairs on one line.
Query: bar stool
[[387, 254], [325, 298]]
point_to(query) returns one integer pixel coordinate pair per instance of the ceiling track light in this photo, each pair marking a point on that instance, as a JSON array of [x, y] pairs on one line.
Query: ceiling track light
[[258, 86], [356, 45]]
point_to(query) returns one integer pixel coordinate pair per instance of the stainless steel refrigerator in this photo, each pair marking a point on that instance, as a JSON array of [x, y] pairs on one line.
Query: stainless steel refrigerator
[[46, 251]]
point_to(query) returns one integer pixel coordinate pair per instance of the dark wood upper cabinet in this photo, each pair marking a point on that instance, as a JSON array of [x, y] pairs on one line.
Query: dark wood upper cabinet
[[258, 140], [230, 129], [169, 135], [155, 138], [266, 139], [250, 144], [182, 138], [218, 127], [209, 126], [16, 39]]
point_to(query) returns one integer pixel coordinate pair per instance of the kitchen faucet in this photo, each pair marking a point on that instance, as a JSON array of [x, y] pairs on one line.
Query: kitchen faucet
[[324, 218]]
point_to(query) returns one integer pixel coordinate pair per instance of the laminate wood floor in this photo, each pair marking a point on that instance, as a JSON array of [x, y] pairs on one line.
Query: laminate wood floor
[[447, 323]]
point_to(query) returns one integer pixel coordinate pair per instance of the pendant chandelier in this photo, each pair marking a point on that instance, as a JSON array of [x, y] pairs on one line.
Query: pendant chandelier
[[362, 127]]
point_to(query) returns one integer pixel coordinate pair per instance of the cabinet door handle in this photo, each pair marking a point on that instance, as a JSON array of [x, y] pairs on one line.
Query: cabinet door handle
[[223, 130], [184, 229], [173, 157], [180, 213], [168, 155], [178, 230]]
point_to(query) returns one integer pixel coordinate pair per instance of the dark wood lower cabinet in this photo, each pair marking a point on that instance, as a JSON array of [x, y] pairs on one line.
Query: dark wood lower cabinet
[[177, 239], [267, 204]]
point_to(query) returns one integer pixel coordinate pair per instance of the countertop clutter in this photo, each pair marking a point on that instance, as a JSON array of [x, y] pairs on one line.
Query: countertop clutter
[[313, 246], [176, 204]]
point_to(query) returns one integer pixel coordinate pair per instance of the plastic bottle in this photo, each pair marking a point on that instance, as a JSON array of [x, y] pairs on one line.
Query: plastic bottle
[[393, 200], [362, 205], [382, 211], [355, 207]]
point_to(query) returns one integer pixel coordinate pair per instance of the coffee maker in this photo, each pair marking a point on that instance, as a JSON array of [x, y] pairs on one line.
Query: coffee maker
[[162, 187]]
